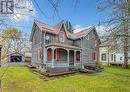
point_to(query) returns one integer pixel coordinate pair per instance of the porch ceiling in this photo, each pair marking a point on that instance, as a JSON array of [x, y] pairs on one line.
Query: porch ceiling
[[63, 46]]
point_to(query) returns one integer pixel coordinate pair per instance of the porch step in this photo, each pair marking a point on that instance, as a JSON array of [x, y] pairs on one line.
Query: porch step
[[58, 69], [54, 74], [87, 71]]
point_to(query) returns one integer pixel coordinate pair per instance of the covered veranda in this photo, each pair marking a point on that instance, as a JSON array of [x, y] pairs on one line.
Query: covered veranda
[[62, 55]]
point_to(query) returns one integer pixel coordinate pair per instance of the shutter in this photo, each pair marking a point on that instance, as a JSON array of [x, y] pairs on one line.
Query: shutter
[[78, 57], [40, 53], [92, 55], [58, 54], [37, 54], [49, 54]]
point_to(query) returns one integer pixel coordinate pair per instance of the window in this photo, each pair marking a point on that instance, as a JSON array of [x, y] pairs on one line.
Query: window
[[112, 57], [94, 56], [120, 58], [103, 57], [61, 36], [47, 39]]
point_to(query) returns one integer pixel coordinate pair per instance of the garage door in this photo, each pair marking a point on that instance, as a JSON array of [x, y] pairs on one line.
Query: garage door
[[16, 59]]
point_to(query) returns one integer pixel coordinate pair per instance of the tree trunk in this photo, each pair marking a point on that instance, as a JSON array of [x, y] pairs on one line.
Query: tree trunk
[[126, 29]]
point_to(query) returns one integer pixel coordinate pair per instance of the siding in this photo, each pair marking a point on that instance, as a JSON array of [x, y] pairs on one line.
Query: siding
[[52, 38], [77, 42], [69, 41], [88, 44], [36, 45]]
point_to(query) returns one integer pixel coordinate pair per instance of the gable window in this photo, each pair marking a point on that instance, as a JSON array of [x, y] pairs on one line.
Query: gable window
[[62, 36], [103, 57]]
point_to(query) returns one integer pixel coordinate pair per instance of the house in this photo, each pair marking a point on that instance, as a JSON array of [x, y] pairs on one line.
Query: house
[[106, 55], [55, 48], [109, 56], [15, 57]]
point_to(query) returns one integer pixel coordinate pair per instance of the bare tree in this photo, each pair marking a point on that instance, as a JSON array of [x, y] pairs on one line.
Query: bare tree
[[117, 20]]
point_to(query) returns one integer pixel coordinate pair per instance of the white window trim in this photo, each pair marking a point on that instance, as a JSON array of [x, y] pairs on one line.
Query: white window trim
[[62, 33]]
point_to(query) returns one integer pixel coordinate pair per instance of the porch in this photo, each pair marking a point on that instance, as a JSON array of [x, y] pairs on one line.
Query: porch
[[63, 56]]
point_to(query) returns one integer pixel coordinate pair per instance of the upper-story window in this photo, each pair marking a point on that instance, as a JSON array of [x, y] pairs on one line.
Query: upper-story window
[[62, 36]]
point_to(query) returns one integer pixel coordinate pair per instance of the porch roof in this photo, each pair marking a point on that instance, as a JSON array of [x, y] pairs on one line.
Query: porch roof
[[64, 46]]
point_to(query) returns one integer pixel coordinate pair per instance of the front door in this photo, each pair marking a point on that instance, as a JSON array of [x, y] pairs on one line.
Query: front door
[[71, 58]]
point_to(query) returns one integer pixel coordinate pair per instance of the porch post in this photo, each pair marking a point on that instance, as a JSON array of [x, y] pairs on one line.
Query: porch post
[[68, 57], [82, 65], [74, 57], [52, 57]]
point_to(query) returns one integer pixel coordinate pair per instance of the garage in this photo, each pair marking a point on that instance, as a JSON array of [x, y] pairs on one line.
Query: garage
[[15, 57]]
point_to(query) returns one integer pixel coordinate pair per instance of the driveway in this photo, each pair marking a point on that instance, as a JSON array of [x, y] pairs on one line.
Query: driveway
[[15, 64]]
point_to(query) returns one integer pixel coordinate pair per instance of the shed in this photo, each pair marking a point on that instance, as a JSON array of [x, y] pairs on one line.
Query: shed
[[15, 57], [28, 57]]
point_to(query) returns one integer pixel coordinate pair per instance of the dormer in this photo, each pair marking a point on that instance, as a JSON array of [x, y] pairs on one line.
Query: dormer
[[62, 34]]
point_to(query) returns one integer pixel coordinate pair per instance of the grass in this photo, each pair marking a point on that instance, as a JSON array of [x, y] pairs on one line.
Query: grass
[[20, 79]]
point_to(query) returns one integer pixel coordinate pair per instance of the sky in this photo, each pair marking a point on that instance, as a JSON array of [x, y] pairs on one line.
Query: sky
[[82, 14]]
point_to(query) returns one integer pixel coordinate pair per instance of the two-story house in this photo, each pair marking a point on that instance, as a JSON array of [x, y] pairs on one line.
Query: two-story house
[[55, 48]]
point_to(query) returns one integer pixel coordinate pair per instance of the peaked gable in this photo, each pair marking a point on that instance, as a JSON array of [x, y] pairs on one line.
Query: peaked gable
[[57, 28], [62, 33]]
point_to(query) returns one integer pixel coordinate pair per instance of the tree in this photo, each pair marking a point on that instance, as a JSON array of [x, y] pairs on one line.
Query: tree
[[69, 26], [13, 40], [118, 12]]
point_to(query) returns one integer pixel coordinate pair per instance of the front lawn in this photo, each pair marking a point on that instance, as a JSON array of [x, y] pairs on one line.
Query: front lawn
[[20, 79]]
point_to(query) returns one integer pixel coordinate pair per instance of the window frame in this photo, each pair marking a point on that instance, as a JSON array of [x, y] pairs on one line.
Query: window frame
[[103, 56], [62, 36]]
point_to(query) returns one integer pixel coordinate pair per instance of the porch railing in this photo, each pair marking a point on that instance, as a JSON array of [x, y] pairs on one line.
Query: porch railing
[[58, 61]]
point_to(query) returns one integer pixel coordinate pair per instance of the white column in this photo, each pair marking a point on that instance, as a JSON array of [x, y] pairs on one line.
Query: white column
[[74, 57], [68, 57], [52, 57]]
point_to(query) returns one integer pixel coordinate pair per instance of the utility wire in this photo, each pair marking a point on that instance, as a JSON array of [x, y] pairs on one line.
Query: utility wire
[[40, 9]]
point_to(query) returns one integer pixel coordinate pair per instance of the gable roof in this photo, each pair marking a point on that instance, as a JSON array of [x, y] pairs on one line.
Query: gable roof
[[55, 30], [105, 44], [15, 54]]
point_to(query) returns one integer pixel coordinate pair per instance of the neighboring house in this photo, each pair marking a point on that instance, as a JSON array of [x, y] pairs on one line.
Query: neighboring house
[[108, 56], [55, 48]]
